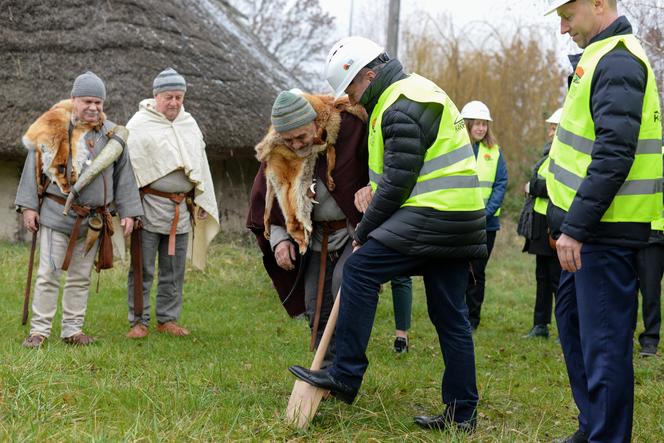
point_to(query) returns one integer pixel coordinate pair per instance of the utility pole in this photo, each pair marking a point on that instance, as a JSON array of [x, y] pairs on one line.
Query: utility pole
[[350, 19], [393, 28]]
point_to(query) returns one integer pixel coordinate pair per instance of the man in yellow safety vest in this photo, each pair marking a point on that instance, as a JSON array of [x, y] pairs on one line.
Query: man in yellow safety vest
[[605, 187]]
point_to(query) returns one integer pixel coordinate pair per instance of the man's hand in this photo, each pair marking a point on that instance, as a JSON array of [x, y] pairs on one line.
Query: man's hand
[[362, 198], [202, 214], [526, 188], [127, 224], [569, 253], [284, 254], [31, 220]]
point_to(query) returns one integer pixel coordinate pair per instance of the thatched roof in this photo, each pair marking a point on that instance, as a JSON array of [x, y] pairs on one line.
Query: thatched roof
[[44, 45]]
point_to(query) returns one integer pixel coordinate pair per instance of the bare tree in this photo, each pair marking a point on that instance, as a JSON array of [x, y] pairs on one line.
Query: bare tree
[[647, 17], [516, 74], [297, 32]]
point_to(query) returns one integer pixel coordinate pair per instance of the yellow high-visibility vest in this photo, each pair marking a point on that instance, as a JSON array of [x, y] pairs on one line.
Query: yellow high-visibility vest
[[487, 166], [542, 203], [448, 178], [640, 197]]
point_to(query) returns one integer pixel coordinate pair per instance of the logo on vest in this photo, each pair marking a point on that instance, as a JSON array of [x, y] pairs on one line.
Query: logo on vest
[[657, 116], [459, 124], [577, 74], [487, 156], [373, 123]]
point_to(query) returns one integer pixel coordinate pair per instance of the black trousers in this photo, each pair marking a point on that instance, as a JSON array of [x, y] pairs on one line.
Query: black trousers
[[476, 282], [650, 266], [547, 276]]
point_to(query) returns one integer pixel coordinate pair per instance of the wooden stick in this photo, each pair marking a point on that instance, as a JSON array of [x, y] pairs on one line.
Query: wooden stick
[[305, 398], [28, 283]]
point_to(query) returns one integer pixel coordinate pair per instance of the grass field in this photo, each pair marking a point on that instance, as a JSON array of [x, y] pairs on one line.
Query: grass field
[[229, 379]]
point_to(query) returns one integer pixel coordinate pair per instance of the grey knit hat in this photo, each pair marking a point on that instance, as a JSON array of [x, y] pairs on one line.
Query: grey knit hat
[[168, 80], [291, 111], [88, 85]]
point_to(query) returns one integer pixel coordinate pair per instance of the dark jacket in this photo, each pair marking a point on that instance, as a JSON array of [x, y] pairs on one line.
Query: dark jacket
[[616, 101], [409, 129], [539, 243], [497, 192]]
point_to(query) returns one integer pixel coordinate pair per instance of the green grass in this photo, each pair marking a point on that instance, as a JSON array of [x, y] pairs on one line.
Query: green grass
[[229, 379]]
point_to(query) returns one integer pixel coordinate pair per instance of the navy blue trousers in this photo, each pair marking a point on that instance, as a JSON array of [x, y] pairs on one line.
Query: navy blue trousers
[[445, 283], [594, 312]]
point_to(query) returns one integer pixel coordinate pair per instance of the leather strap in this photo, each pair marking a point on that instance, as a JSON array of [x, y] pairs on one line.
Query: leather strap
[[137, 266], [327, 227], [175, 197], [81, 213], [320, 287], [332, 225]]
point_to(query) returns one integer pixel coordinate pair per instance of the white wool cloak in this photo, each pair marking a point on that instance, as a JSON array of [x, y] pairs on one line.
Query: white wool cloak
[[158, 147]]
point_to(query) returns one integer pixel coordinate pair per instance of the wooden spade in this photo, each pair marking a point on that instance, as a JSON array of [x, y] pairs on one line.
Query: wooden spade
[[305, 398]]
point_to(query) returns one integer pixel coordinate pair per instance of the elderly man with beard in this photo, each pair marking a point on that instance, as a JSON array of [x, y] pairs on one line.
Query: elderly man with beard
[[167, 150], [49, 172], [314, 160]]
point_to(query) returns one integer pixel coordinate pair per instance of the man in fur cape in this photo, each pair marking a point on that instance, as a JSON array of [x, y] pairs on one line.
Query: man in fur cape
[[167, 150], [61, 144], [314, 160]]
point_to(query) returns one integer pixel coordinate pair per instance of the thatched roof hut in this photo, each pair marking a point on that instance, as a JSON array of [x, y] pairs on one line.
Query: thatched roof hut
[[44, 45]]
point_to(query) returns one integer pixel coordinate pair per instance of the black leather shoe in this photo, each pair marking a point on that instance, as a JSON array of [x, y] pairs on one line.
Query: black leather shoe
[[442, 422], [400, 345], [541, 331], [322, 379], [578, 437]]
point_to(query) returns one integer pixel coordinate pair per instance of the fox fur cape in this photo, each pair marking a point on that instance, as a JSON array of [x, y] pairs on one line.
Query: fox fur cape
[[49, 137], [290, 177]]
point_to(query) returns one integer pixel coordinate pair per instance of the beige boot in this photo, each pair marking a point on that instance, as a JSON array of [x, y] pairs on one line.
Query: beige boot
[[172, 328], [139, 330]]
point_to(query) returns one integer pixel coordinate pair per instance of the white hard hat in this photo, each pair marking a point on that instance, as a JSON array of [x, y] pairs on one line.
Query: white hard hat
[[345, 60], [555, 4], [476, 110], [555, 117]]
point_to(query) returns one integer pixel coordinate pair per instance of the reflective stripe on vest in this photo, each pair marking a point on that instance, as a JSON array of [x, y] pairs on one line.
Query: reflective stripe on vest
[[448, 179], [487, 166], [658, 225], [639, 199], [542, 203]]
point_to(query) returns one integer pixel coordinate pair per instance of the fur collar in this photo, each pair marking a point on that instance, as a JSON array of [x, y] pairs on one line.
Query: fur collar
[[48, 136], [289, 177]]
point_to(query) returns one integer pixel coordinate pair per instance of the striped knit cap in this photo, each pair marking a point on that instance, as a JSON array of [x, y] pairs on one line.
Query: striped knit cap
[[291, 111], [168, 80]]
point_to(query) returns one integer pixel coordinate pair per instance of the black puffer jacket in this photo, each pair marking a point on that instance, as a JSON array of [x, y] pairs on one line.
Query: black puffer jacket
[[409, 129], [616, 102]]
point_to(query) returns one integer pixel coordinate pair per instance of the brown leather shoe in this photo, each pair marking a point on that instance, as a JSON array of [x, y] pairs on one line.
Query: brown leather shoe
[[79, 339], [139, 330], [34, 341], [172, 328]]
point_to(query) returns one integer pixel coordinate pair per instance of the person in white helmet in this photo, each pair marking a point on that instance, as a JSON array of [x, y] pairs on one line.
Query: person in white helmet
[[605, 189], [492, 173], [547, 267], [425, 217]]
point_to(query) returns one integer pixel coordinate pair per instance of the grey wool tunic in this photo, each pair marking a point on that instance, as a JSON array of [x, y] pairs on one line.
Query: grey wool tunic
[[121, 189]]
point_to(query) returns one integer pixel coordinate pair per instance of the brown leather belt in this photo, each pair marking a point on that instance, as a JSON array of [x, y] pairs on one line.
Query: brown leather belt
[[177, 198], [327, 227], [81, 213]]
